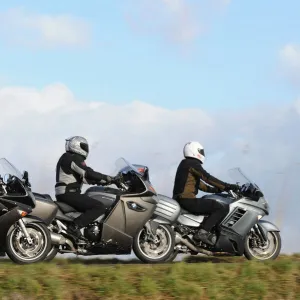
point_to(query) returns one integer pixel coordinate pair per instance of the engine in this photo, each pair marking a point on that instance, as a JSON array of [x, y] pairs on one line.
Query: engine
[[184, 230], [93, 232]]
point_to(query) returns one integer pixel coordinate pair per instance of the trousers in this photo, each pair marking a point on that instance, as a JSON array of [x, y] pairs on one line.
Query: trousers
[[91, 208], [216, 210]]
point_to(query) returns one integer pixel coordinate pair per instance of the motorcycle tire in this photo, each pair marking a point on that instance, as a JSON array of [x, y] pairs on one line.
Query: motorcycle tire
[[52, 253], [39, 233], [249, 254], [140, 254], [172, 256]]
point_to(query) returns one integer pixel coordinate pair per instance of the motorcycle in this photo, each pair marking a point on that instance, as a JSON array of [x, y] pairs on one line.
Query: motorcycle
[[126, 225], [28, 240], [11, 214], [241, 232]]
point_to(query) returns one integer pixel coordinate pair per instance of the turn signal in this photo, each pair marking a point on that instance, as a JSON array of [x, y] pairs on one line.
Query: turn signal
[[22, 213], [151, 188]]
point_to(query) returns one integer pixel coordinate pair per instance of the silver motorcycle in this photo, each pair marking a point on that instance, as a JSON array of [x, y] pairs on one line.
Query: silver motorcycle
[[242, 232]]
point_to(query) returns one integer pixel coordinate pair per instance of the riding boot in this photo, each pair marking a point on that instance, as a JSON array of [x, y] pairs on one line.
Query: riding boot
[[74, 230]]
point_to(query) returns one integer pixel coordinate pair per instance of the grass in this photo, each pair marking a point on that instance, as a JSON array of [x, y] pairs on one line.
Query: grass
[[195, 278]]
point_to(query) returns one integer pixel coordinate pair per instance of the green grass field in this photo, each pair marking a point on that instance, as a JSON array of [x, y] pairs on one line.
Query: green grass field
[[195, 278]]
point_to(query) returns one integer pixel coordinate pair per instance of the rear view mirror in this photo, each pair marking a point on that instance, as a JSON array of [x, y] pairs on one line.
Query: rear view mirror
[[26, 179], [6, 178], [25, 175], [146, 174], [143, 170]]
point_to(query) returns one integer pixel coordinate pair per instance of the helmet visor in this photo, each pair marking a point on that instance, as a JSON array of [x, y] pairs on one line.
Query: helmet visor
[[84, 147], [201, 151]]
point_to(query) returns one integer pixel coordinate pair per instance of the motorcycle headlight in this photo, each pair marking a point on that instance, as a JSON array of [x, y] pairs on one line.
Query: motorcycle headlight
[[265, 204]]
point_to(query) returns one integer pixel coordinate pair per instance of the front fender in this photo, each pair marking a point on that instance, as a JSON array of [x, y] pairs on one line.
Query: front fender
[[32, 219], [27, 220], [267, 226]]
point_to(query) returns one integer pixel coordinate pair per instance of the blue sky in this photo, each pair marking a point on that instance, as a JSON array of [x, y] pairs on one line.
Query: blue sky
[[232, 65]]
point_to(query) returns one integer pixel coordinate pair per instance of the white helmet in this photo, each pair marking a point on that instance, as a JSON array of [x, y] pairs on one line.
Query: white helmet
[[195, 150], [77, 144]]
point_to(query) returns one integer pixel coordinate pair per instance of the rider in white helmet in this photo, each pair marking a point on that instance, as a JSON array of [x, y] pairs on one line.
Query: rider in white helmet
[[191, 177]]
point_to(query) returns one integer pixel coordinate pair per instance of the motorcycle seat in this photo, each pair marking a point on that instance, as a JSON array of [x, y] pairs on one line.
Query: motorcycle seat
[[65, 208], [185, 212]]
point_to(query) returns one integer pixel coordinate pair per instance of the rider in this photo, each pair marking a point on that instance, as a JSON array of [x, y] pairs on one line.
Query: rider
[[71, 173], [191, 177]]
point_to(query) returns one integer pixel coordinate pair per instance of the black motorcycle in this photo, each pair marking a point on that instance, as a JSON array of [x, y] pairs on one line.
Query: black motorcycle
[[10, 215], [28, 240]]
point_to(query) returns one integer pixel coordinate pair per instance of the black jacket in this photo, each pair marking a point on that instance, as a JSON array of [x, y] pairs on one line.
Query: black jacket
[[191, 177], [72, 172]]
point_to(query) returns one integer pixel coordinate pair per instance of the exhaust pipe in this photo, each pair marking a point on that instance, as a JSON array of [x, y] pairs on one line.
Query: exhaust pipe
[[58, 239], [180, 239]]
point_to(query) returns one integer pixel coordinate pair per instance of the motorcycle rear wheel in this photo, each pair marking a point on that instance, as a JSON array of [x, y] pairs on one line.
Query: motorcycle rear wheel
[[52, 253], [172, 256]]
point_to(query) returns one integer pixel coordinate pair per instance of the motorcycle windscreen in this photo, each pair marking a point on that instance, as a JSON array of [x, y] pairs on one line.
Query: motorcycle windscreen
[[23, 196]]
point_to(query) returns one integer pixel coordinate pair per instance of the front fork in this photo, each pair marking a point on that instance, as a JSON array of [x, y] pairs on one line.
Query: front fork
[[260, 233], [151, 228], [25, 232]]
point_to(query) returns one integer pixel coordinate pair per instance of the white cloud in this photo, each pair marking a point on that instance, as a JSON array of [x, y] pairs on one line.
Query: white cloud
[[34, 124], [290, 62], [224, 2], [32, 29], [177, 21], [173, 20], [290, 54], [183, 27]]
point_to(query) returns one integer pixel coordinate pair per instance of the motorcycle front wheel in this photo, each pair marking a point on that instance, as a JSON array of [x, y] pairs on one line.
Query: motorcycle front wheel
[[254, 250], [20, 251], [155, 249]]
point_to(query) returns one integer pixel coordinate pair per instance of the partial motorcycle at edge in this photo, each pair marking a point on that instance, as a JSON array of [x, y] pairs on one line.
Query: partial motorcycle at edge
[[22, 242]]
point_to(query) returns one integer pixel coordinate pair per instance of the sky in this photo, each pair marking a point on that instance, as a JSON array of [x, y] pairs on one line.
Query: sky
[[141, 78]]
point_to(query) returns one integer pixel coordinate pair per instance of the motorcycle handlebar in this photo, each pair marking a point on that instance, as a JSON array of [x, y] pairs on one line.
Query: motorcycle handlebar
[[234, 195], [118, 181]]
